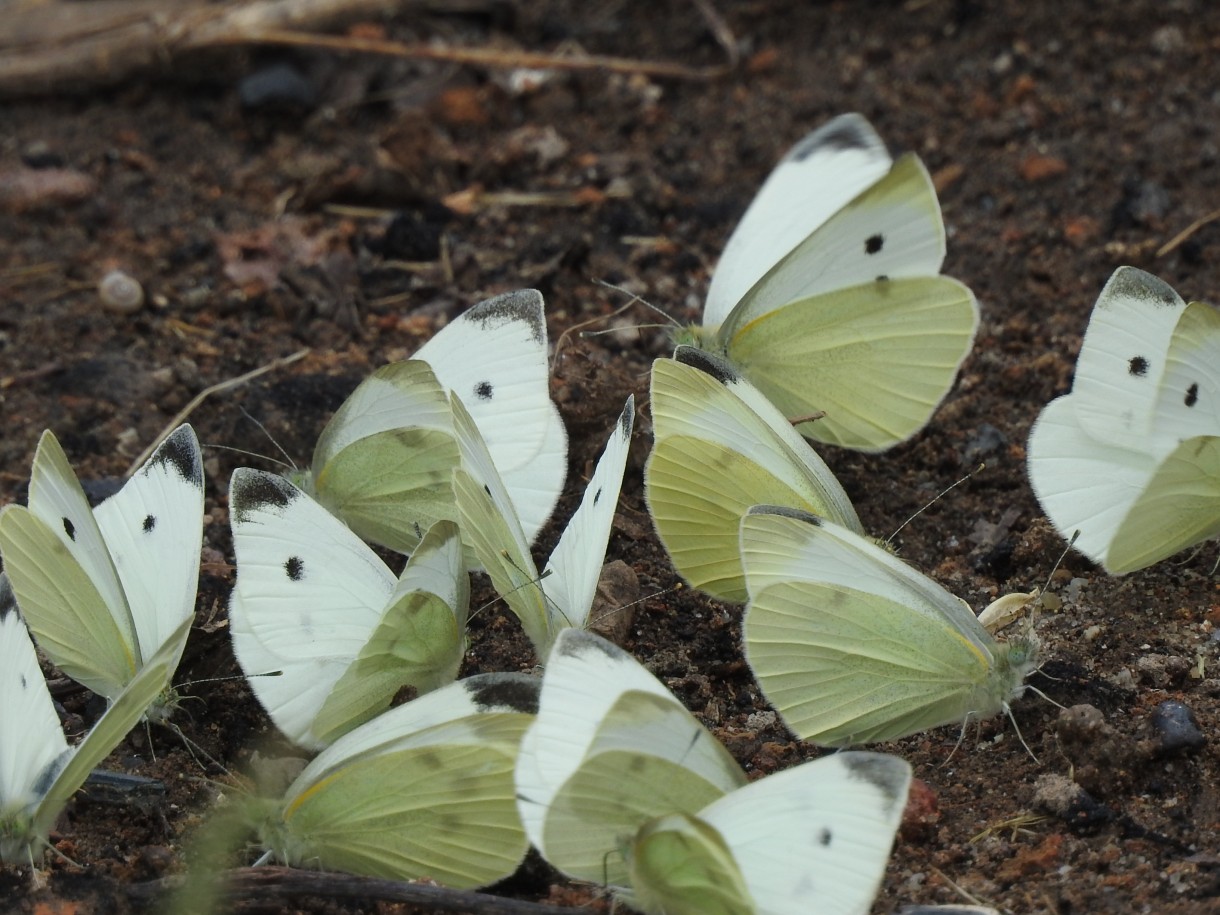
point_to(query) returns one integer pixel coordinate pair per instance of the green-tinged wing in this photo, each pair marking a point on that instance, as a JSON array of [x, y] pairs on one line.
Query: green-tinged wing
[[852, 646], [62, 605], [491, 527], [680, 865], [876, 358], [382, 462], [649, 756], [416, 793], [721, 447], [419, 642], [152, 681], [1179, 507]]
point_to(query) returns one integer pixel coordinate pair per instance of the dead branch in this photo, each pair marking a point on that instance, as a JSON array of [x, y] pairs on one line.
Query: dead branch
[[247, 884], [70, 46]]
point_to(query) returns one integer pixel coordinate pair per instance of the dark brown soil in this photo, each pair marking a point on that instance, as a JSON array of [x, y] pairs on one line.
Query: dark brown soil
[[1066, 139]]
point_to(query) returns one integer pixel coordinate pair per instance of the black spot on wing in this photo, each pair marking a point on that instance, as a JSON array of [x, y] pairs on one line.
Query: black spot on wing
[[597, 496], [483, 390], [1192, 395], [825, 837], [1137, 366], [874, 243], [504, 692], [70, 529], [149, 524], [24, 684], [294, 568]]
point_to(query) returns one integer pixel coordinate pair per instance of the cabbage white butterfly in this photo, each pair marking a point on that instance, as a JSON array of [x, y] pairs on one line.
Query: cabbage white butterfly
[[720, 447], [617, 782], [828, 296], [1131, 457], [103, 589], [317, 608], [562, 594], [383, 462], [40, 771], [851, 645], [424, 790]]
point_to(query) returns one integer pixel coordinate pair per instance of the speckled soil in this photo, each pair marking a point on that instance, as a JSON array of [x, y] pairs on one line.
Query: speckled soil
[[1066, 139]]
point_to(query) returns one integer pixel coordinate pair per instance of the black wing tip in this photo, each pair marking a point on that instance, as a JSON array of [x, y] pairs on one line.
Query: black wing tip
[[504, 692], [525, 305], [889, 774], [1140, 284], [626, 419], [787, 511], [8, 600], [573, 643], [844, 132], [251, 490], [180, 450]]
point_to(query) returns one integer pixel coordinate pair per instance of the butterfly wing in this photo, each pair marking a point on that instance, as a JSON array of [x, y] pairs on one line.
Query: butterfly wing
[[570, 578], [419, 642], [816, 836], [1082, 483], [308, 596], [585, 678], [720, 448], [382, 463], [858, 306], [494, 357], [151, 682], [65, 580], [153, 528], [1122, 359], [816, 178], [32, 744], [490, 526], [423, 791], [1179, 507], [851, 645]]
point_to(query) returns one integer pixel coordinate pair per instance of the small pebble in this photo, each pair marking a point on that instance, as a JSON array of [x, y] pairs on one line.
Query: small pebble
[[1063, 798], [987, 440], [1175, 727], [121, 293], [277, 86]]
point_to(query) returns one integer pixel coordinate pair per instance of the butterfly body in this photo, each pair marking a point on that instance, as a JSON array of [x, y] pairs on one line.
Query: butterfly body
[[852, 319], [853, 646], [103, 589], [1130, 459]]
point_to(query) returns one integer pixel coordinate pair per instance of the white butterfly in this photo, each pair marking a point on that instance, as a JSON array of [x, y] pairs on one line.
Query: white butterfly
[[383, 462], [719, 447], [1131, 458], [323, 629], [618, 783], [562, 594], [828, 295], [852, 645], [39, 772], [103, 589], [423, 791]]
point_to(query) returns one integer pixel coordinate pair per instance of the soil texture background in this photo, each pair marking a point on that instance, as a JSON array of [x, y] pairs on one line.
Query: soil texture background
[[273, 200]]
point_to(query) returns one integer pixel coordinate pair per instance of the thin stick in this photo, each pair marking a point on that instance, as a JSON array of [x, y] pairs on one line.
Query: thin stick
[[204, 395], [248, 883], [1187, 232], [491, 58]]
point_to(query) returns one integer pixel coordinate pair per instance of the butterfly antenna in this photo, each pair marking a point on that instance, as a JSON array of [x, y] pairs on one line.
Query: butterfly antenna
[[1016, 727], [937, 498], [181, 415], [563, 338], [270, 438], [670, 320], [250, 454]]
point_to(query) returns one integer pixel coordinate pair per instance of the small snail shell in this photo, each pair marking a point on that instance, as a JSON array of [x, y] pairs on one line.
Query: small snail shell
[[121, 293]]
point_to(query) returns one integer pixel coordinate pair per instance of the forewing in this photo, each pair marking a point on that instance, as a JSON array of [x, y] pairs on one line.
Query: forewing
[[816, 178], [153, 527], [308, 596]]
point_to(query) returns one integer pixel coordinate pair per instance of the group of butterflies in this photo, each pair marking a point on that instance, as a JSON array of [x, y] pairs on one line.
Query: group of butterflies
[[457, 457]]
